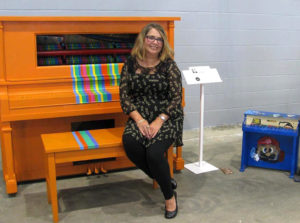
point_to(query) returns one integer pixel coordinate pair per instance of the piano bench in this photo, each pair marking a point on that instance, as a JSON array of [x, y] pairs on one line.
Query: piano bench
[[79, 146]]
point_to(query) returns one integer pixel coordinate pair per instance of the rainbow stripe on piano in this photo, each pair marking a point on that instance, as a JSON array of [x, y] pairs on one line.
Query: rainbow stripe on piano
[[85, 140], [89, 81]]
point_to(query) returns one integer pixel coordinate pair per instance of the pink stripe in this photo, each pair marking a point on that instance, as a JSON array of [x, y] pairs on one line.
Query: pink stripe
[[86, 82]]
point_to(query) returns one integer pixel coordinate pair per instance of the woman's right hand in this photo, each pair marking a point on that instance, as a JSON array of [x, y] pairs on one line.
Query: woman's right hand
[[144, 128]]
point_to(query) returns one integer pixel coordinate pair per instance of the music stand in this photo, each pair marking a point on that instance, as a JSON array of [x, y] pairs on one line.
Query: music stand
[[201, 75]]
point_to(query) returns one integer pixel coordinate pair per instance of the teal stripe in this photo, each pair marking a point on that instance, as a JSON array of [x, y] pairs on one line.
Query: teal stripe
[[88, 140]]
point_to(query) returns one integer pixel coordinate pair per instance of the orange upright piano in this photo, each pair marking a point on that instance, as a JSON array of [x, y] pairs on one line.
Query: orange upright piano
[[61, 74]]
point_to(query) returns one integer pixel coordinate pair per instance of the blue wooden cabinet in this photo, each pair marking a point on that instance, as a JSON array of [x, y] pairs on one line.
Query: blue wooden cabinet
[[270, 140]]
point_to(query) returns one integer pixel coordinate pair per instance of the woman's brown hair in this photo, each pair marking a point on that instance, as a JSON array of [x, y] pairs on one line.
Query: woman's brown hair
[[138, 49]]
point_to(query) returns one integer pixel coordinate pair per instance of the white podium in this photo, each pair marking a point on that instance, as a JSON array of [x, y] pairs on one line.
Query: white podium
[[201, 75]]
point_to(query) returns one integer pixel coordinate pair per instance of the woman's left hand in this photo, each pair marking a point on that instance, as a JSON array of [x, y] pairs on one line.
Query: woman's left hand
[[155, 127]]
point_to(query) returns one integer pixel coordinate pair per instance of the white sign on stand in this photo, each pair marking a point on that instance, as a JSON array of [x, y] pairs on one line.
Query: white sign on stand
[[201, 75]]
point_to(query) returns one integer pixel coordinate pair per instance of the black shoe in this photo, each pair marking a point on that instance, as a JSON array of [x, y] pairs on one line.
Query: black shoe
[[172, 214], [173, 183]]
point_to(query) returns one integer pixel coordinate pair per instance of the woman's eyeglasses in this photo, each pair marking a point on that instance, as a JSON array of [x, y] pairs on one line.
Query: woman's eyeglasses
[[153, 38]]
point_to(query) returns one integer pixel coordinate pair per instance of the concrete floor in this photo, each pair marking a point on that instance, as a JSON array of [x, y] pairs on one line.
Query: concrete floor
[[256, 195]]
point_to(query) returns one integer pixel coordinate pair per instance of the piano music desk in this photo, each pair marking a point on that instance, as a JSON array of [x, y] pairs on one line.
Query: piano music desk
[[68, 147]]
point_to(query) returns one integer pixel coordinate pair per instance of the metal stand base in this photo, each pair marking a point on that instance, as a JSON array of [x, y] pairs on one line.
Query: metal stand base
[[197, 169]]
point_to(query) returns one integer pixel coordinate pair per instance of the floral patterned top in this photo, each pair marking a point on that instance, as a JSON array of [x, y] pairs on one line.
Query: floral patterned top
[[152, 91]]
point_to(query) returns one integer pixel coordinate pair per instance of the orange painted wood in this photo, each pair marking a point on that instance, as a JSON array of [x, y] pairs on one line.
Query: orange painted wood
[[62, 147], [52, 185], [7, 157], [53, 94], [65, 141], [20, 42], [38, 99], [29, 164], [178, 160]]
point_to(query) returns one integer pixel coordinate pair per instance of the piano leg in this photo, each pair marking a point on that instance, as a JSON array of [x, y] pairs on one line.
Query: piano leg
[[51, 186], [178, 161], [7, 158]]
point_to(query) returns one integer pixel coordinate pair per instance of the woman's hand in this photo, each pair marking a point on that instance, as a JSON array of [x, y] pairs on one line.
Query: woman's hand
[[144, 128], [155, 127]]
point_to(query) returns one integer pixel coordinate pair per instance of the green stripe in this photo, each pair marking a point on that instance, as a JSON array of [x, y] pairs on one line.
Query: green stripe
[[117, 74], [94, 74], [79, 84], [88, 72], [87, 140], [111, 76], [99, 83]]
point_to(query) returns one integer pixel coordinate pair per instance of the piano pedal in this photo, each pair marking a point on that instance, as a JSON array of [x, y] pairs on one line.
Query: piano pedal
[[89, 172], [96, 171], [102, 169]]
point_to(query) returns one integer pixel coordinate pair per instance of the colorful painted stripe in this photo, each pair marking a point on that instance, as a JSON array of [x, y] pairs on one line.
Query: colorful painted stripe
[[85, 140], [89, 81]]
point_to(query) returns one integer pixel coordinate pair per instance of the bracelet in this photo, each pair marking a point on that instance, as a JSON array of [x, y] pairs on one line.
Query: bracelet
[[140, 121]]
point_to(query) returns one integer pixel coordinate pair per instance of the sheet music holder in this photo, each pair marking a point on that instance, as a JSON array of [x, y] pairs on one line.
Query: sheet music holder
[[201, 75]]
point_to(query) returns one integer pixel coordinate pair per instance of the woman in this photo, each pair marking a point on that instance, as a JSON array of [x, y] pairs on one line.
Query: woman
[[151, 94]]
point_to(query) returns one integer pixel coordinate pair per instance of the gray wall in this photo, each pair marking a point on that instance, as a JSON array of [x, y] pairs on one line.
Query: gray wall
[[254, 44]]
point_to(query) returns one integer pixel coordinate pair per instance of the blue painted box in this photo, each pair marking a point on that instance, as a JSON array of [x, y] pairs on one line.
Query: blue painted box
[[270, 140]]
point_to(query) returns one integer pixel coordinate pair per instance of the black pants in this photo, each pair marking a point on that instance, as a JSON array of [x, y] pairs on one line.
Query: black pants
[[152, 161]]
